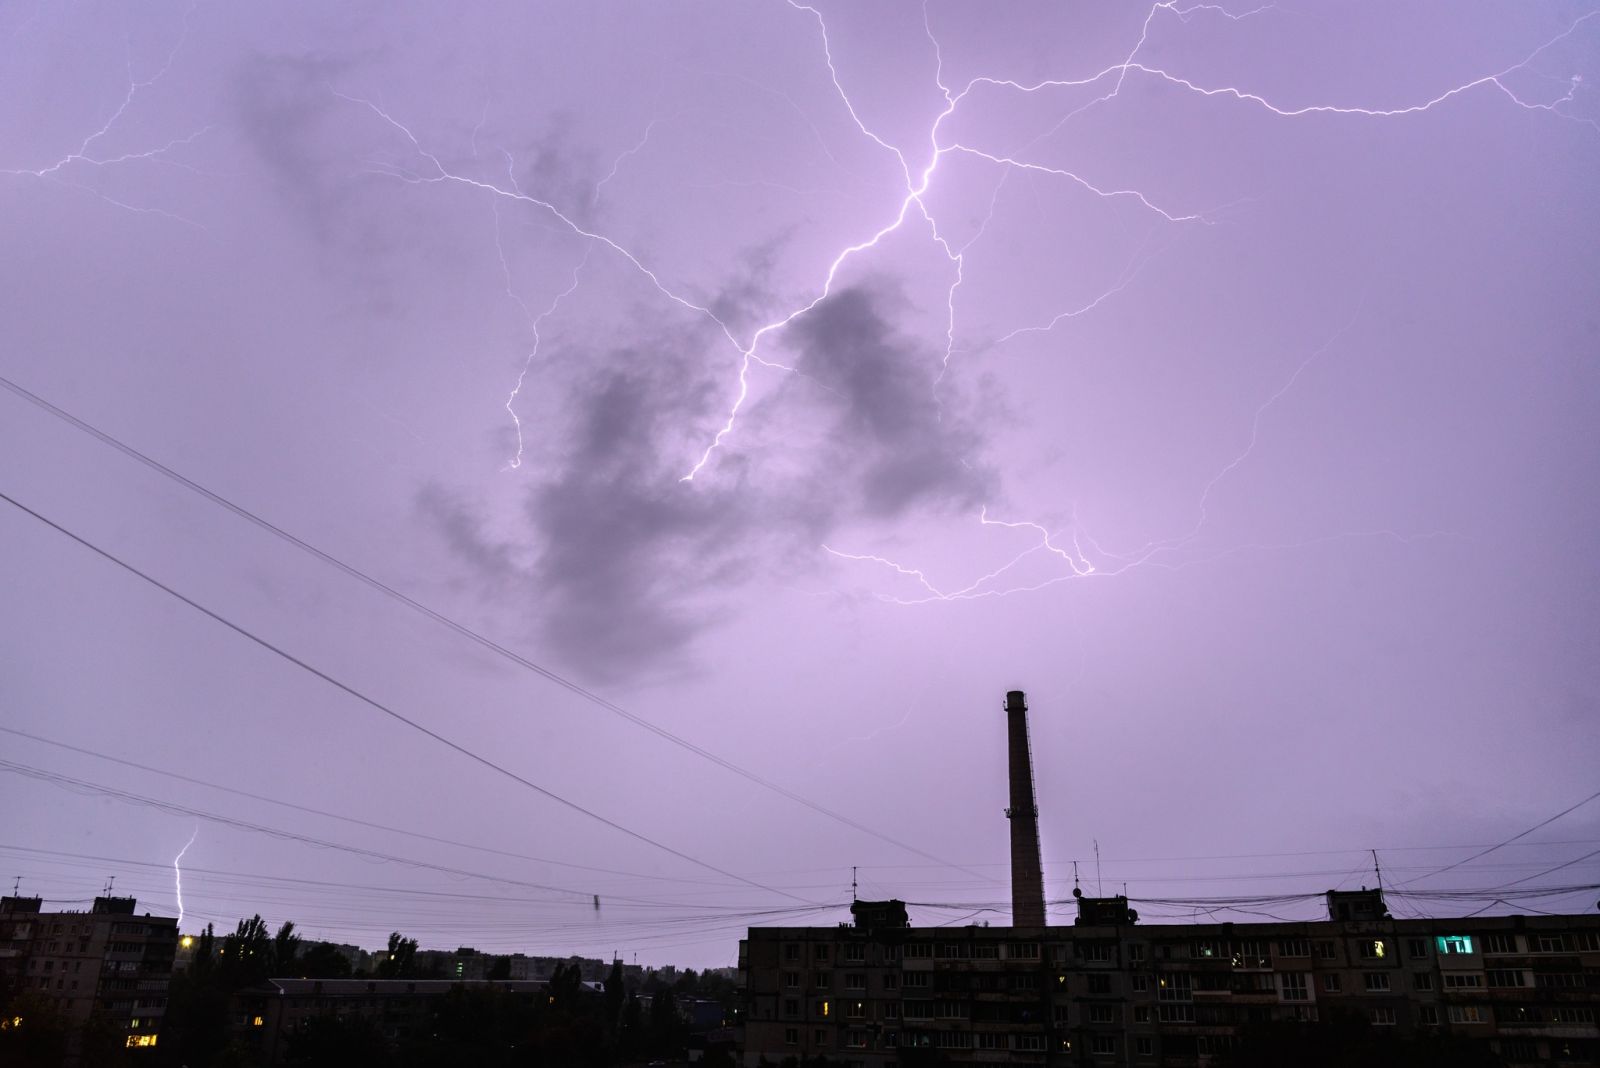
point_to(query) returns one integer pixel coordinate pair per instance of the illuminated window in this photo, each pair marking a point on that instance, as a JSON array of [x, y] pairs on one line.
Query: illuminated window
[[1470, 1014], [823, 1007], [256, 1022], [140, 1040], [1374, 949], [1454, 944]]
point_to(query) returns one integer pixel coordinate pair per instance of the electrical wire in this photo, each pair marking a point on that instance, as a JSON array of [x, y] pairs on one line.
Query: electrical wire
[[459, 628], [386, 710], [335, 816]]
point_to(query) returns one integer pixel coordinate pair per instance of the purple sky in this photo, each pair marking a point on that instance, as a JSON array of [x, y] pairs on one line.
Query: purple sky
[[1225, 379]]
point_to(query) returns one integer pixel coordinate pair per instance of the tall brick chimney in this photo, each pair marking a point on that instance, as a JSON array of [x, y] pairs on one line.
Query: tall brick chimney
[[1027, 874]]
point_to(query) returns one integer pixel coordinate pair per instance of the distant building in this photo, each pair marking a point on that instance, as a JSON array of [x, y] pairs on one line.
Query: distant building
[[1108, 992], [267, 1016], [106, 963]]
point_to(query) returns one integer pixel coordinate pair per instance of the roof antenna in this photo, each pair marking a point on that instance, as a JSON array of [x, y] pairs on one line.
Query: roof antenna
[[852, 884], [1075, 891], [1377, 870], [1099, 887], [16, 887], [109, 881]]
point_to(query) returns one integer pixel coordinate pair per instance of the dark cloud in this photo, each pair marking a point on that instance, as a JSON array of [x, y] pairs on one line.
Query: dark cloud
[[630, 565]]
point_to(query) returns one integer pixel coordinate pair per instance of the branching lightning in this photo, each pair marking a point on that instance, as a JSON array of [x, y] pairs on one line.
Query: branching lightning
[[83, 155], [918, 169], [177, 872]]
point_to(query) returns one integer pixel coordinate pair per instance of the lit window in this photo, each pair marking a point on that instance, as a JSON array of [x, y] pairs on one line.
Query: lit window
[[256, 1022], [1454, 943]]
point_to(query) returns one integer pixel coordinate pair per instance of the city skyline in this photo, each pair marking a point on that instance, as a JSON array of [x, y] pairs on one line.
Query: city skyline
[[616, 459]]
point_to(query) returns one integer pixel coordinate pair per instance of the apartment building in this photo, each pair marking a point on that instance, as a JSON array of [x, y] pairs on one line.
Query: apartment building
[[108, 962], [1107, 991]]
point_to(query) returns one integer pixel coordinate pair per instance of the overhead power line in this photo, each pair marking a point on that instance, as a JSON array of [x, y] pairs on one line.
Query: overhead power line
[[68, 782], [336, 816], [459, 628], [390, 712], [1508, 841]]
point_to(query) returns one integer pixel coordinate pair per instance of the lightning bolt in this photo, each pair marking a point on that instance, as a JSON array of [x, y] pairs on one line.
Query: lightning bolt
[[84, 153], [910, 203], [177, 872]]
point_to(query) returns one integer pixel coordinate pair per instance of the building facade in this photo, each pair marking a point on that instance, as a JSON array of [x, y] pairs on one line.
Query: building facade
[[107, 963], [1110, 992]]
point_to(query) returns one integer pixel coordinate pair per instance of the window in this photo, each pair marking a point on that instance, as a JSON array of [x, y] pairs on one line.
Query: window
[[1373, 949], [1102, 1014], [791, 980], [1175, 986], [819, 953], [915, 980], [919, 951], [1293, 986], [791, 1006], [1416, 947], [953, 1040], [891, 980], [1141, 1014], [950, 1010], [1141, 984], [820, 1036], [1099, 953], [986, 1040], [1294, 947], [1330, 983], [855, 953], [824, 1007], [1466, 1014], [1136, 951], [1325, 950], [1589, 942], [952, 950], [1103, 1045], [1505, 977], [1422, 980], [1427, 1014], [1099, 984], [791, 952], [856, 1039], [855, 981], [1028, 1043], [1175, 1013], [855, 1010], [1462, 981], [1375, 981], [1144, 1046], [1383, 1017], [919, 1010], [985, 951], [1557, 980], [1453, 944], [822, 980], [1500, 943], [1571, 1014], [1058, 1015], [891, 1011], [1023, 951], [1023, 981], [1547, 943], [891, 954], [1519, 1049]]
